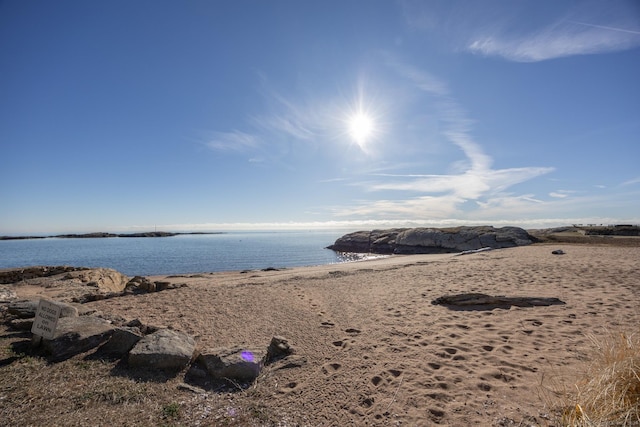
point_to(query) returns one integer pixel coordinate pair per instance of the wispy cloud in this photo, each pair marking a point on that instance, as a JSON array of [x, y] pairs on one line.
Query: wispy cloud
[[233, 141], [560, 39], [280, 122], [525, 31], [632, 181]]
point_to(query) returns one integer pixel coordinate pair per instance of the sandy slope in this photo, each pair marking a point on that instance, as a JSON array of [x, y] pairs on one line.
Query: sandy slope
[[379, 353]]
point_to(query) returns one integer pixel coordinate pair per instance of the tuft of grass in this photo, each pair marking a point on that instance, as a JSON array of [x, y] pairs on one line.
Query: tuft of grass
[[171, 410], [609, 391]]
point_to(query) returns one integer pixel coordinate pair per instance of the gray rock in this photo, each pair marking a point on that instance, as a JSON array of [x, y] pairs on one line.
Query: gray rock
[[484, 301], [163, 349], [24, 309], [235, 363], [75, 335], [278, 349], [121, 342]]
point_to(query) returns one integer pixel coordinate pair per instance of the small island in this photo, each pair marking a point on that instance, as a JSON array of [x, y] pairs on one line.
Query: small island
[[100, 235]]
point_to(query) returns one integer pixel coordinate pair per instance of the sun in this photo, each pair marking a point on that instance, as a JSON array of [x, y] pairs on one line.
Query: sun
[[361, 128]]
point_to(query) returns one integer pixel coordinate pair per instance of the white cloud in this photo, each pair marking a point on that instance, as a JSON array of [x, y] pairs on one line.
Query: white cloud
[[561, 194], [526, 31], [560, 39]]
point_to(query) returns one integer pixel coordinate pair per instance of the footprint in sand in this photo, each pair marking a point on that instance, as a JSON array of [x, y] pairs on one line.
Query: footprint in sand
[[327, 324], [376, 380], [395, 372], [331, 368], [290, 387], [344, 343]]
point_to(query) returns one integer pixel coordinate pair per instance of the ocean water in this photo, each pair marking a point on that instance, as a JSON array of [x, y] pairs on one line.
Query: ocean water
[[178, 254]]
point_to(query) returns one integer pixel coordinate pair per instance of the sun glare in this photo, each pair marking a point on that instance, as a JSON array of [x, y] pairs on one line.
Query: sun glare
[[361, 128]]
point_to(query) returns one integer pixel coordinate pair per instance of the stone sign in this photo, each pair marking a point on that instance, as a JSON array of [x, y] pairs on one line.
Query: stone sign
[[46, 319]]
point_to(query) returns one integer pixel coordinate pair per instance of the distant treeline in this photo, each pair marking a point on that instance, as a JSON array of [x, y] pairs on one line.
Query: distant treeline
[[104, 235]]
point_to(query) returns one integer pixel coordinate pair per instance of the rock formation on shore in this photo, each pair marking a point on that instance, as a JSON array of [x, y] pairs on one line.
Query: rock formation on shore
[[431, 240]]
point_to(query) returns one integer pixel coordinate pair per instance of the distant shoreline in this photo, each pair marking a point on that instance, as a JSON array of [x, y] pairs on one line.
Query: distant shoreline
[[108, 235]]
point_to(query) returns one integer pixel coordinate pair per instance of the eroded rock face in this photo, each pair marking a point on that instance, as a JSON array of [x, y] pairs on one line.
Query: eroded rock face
[[431, 240]]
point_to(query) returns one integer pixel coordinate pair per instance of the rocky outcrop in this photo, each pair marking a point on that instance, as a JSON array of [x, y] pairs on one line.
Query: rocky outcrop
[[431, 240], [64, 283], [15, 275]]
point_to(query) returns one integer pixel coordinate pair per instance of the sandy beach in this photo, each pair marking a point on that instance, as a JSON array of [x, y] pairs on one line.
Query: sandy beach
[[372, 349]]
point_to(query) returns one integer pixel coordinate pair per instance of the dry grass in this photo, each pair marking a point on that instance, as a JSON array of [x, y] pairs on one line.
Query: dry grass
[[608, 394], [87, 391]]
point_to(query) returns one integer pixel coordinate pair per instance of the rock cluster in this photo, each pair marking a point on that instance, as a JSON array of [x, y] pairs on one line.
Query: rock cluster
[[80, 331], [431, 240]]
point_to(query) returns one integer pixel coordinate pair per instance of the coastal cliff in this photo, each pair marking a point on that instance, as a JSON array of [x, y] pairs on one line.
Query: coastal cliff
[[431, 240]]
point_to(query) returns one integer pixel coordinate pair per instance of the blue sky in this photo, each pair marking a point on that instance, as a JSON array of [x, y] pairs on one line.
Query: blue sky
[[209, 115]]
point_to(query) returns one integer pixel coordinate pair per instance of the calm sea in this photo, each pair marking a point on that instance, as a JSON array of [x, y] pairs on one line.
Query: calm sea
[[178, 254]]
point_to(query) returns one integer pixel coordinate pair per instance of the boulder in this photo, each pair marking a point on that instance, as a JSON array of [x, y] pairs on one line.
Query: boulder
[[431, 240], [27, 309], [236, 363], [75, 335], [121, 342], [24, 309], [163, 349]]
